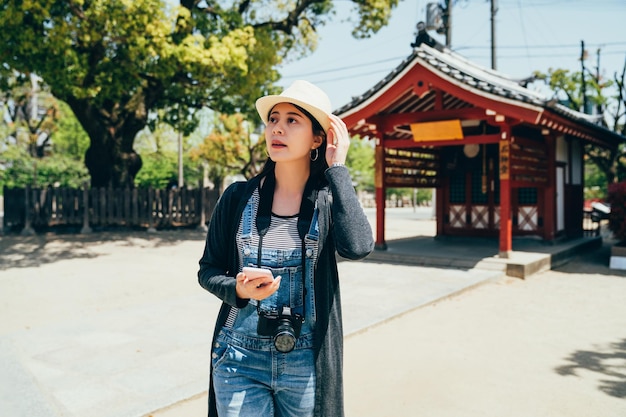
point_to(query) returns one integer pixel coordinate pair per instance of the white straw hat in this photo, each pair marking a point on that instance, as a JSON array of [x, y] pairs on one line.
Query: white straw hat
[[303, 94]]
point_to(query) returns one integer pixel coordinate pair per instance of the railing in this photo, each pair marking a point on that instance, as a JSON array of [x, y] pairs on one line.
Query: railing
[[592, 225], [37, 209]]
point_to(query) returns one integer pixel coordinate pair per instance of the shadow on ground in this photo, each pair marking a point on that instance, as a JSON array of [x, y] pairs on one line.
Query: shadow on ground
[[593, 262], [18, 251], [609, 361]]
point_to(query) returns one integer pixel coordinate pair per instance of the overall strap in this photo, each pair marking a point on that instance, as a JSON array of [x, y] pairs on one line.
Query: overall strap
[[266, 197], [264, 217]]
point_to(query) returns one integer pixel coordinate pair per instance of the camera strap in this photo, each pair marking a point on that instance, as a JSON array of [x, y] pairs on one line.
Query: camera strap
[[264, 216]]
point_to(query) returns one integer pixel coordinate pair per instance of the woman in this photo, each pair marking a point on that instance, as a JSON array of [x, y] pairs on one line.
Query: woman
[[278, 342]]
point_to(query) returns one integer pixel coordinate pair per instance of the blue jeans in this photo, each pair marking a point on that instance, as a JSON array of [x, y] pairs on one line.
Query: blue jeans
[[252, 379]]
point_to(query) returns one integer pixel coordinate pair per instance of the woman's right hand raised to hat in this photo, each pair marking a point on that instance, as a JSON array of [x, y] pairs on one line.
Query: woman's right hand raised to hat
[[338, 141]]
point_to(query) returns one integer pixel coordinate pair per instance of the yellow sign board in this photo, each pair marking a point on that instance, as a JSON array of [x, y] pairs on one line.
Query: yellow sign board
[[505, 159], [435, 131]]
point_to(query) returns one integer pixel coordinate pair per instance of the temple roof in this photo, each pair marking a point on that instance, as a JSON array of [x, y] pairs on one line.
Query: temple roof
[[466, 84]]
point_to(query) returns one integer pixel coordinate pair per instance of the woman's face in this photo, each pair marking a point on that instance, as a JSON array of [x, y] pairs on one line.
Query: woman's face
[[289, 134]]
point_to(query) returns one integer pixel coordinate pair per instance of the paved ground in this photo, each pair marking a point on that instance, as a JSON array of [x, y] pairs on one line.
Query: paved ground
[[553, 345], [550, 346], [119, 327]]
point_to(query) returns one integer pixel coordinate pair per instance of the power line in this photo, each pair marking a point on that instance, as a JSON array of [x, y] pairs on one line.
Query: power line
[[563, 55], [475, 56], [603, 44], [348, 77], [577, 3], [394, 59]]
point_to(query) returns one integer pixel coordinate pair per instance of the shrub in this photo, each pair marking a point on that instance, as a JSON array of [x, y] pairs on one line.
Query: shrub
[[617, 218]]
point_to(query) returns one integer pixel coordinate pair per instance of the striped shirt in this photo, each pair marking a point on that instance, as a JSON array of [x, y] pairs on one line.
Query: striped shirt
[[281, 235]]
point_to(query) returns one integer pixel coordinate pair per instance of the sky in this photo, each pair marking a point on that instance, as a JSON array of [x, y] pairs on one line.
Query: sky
[[530, 35]]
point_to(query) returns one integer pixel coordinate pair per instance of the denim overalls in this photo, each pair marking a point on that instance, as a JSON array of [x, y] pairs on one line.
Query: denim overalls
[[251, 378]]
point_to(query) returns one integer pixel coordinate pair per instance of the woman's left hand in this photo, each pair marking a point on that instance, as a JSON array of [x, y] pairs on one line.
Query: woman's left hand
[[338, 141]]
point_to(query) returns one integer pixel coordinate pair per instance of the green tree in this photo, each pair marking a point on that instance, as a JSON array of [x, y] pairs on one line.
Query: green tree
[[619, 112], [595, 182], [360, 162], [30, 112], [42, 144], [69, 138], [231, 149], [159, 150], [116, 62], [160, 170], [157, 145], [567, 87], [418, 196], [19, 169]]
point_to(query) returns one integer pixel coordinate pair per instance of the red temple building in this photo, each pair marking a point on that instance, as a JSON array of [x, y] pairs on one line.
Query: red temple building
[[505, 160]]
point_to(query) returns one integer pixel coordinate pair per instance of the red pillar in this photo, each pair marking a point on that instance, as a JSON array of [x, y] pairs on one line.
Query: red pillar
[[506, 225], [379, 183]]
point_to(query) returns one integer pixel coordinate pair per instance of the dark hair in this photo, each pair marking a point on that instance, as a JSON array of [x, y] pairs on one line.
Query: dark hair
[[319, 165]]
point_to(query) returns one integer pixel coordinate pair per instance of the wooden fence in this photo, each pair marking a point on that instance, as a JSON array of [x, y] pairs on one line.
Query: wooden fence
[[38, 209]]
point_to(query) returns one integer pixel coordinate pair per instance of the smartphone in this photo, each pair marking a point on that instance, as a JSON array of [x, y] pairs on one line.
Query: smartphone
[[253, 272]]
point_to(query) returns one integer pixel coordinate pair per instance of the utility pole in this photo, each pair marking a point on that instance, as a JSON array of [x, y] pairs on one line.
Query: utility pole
[[598, 66], [494, 10], [447, 21], [599, 108], [445, 8], [582, 75], [181, 181]]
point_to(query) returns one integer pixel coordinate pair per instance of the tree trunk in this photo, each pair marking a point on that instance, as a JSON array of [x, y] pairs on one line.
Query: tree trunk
[[109, 164], [110, 158]]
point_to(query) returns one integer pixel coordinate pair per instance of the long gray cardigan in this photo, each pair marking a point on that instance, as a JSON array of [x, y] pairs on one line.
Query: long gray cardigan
[[343, 228]]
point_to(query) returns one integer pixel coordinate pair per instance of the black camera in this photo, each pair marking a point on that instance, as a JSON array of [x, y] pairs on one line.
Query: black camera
[[283, 326]]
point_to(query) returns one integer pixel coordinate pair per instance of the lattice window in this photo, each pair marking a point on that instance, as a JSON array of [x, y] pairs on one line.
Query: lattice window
[[457, 188], [457, 216], [496, 217], [480, 217], [478, 197], [527, 218], [496, 191], [527, 195]]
